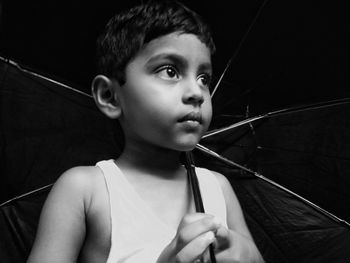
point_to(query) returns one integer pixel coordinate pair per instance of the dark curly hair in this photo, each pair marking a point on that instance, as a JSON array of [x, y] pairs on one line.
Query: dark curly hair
[[127, 32]]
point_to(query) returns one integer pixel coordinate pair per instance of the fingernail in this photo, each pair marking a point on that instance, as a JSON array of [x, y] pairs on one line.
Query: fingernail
[[210, 235]]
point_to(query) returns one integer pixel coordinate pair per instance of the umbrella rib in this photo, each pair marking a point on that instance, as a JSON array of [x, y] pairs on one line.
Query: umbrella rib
[[313, 153], [231, 163], [277, 113], [26, 194], [15, 64], [240, 44]]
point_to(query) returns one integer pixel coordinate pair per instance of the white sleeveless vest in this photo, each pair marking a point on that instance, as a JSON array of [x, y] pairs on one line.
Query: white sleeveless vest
[[138, 235]]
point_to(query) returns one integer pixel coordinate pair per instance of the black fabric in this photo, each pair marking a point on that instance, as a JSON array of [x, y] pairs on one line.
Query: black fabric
[[18, 224], [310, 152]]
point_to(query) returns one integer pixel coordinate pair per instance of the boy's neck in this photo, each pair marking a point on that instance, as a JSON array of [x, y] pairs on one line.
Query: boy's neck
[[150, 159]]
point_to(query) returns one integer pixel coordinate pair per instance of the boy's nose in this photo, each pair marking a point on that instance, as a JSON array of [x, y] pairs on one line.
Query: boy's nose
[[193, 94]]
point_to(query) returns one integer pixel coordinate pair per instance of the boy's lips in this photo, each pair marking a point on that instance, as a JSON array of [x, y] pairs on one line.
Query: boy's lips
[[192, 116]]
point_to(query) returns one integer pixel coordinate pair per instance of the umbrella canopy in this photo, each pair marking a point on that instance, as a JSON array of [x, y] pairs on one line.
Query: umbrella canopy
[[287, 56], [48, 127]]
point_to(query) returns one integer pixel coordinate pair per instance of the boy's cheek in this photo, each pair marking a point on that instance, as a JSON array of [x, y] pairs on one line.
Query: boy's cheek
[[209, 118]]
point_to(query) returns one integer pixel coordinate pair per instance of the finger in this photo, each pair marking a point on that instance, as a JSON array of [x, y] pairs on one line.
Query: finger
[[190, 231], [193, 217], [196, 248], [222, 238]]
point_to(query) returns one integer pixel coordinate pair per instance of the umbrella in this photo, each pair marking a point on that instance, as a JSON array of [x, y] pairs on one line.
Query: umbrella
[[286, 226]]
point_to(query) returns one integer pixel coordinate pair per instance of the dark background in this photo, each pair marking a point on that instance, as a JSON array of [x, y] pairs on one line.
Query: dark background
[[296, 52]]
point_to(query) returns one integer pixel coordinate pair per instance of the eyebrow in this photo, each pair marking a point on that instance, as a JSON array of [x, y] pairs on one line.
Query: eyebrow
[[180, 60]]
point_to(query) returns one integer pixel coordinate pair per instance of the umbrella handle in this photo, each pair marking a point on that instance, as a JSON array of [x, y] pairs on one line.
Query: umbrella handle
[[193, 181]]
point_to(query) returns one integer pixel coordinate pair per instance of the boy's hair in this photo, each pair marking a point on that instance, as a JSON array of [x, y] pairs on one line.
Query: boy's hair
[[127, 32]]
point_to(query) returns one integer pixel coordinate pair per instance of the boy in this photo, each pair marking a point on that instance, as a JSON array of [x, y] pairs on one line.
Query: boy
[[155, 70]]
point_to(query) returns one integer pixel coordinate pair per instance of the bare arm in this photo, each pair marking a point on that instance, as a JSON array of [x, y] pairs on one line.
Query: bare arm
[[61, 228]]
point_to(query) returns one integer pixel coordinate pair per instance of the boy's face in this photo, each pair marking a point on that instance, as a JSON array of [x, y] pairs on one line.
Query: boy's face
[[165, 101]]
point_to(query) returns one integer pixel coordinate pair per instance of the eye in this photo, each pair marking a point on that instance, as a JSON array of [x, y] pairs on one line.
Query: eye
[[168, 72], [205, 80]]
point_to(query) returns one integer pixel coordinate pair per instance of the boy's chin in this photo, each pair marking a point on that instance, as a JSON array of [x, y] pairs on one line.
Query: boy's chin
[[187, 146]]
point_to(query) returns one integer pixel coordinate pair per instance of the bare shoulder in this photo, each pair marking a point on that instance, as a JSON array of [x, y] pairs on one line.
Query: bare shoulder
[[80, 174], [80, 182], [62, 224], [80, 177]]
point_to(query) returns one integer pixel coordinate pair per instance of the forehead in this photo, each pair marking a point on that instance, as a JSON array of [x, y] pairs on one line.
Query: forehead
[[184, 45]]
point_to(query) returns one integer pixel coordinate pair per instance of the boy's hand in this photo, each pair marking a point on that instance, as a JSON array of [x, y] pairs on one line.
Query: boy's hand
[[232, 247], [194, 234]]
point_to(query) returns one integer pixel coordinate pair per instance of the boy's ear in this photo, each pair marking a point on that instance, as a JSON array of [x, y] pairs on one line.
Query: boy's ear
[[105, 96]]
